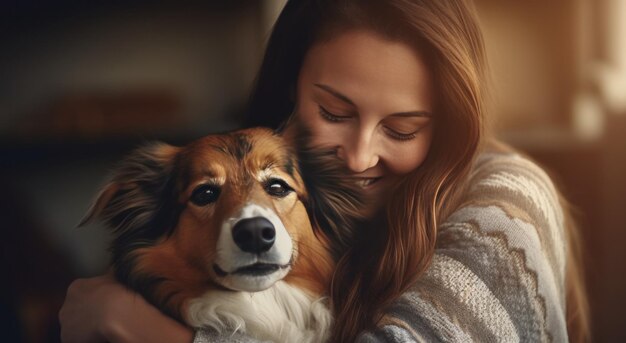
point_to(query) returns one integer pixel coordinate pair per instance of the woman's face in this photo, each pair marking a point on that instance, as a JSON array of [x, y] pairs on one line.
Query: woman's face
[[370, 99]]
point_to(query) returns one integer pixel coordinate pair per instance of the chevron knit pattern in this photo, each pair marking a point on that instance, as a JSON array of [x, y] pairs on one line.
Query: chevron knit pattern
[[498, 273]]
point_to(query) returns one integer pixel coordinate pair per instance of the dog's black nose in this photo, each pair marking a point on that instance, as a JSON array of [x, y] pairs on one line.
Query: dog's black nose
[[254, 235]]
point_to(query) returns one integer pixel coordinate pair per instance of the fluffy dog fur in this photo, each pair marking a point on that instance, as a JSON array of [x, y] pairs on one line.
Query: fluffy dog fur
[[174, 213]]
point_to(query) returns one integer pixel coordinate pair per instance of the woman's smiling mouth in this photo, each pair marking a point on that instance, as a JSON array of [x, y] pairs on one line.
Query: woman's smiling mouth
[[367, 182]]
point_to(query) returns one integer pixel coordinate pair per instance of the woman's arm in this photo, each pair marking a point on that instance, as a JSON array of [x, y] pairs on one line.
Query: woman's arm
[[499, 268], [100, 309]]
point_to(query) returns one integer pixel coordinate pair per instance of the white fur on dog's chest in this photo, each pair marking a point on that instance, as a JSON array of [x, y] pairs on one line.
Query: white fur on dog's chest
[[282, 313]]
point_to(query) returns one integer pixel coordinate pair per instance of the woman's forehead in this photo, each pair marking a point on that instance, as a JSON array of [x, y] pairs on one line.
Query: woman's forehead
[[369, 69]]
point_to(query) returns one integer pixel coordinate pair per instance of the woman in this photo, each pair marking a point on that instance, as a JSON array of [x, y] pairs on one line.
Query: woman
[[474, 245]]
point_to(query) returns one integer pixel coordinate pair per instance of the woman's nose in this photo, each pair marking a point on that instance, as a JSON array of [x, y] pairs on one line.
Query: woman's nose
[[359, 156]]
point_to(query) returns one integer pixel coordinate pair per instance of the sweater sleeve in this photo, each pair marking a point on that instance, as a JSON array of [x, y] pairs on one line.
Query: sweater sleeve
[[208, 336], [498, 274]]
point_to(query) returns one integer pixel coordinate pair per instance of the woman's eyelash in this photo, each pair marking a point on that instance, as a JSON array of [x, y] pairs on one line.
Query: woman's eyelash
[[392, 133], [400, 136], [329, 116]]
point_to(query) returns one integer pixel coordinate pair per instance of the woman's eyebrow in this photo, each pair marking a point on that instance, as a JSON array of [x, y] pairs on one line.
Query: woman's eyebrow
[[335, 93], [412, 114], [345, 99]]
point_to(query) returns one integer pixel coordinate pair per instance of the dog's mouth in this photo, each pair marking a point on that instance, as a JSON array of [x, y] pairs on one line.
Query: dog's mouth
[[256, 269]]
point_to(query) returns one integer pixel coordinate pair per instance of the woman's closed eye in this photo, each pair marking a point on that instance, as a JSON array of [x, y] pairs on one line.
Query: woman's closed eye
[[404, 128], [327, 115], [389, 131], [399, 135]]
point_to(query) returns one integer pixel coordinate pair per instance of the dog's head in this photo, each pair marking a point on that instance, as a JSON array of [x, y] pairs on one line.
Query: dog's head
[[225, 211]]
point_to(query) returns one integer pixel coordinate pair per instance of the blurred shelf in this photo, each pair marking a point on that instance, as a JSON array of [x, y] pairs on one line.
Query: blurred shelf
[[21, 153], [549, 139], [18, 155]]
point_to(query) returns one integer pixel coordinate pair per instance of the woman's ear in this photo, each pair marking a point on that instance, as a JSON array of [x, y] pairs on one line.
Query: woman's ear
[[137, 188]]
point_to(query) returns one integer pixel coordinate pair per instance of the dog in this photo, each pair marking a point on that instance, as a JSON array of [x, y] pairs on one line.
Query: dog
[[226, 234]]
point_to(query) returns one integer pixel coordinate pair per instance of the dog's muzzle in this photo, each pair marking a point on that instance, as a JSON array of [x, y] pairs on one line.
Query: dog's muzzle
[[254, 250]]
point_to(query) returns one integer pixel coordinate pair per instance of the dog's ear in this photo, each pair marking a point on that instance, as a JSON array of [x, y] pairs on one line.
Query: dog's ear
[[335, 203], [102, 199], [138, 187]]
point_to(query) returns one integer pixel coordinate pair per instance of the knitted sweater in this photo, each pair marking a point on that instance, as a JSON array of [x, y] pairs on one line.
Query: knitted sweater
[[498, 274]]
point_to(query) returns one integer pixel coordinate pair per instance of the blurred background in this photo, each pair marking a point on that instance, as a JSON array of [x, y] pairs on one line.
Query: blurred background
[[82, 83]]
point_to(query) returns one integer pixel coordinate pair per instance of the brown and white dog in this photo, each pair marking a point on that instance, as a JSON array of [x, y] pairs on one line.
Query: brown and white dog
[[217, 234]]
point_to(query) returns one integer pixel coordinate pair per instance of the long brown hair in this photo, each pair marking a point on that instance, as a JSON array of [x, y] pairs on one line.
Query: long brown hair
[[381, 264]]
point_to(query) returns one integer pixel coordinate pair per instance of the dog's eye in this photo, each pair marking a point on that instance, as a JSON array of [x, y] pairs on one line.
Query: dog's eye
[[278, 188], [204, 195]]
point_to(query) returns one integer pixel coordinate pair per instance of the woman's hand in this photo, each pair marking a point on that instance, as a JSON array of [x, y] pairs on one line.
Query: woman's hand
[[100, 309]]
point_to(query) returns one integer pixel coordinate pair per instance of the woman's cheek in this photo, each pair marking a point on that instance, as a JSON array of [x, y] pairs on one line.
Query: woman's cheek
[[327, 135], [324, 133], [404, 157]]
